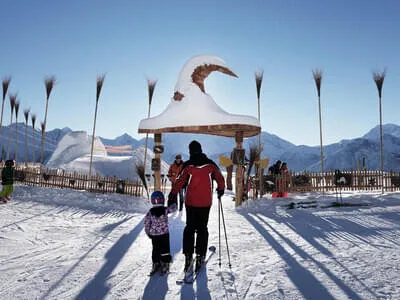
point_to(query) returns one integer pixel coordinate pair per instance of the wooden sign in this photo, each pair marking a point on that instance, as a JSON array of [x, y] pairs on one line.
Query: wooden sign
[[155, 164], [224, 161], [263, 163]]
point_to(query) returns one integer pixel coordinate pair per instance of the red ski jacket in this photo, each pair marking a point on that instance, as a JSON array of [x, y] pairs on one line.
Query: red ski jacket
[[197, 175]]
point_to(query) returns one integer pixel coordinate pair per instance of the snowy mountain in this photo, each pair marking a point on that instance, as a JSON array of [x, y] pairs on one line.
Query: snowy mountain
[[346, 154], [391, 129], [13, 139], [122, 140], [341, 155]]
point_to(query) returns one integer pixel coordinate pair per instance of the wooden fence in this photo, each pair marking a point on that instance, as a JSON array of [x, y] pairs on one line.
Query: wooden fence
[[32, 176], [352, 180]]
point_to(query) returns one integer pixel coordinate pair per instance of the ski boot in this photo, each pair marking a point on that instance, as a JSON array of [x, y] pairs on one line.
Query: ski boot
[[188, 262], [155, 268], [199, 262], [164, 268]]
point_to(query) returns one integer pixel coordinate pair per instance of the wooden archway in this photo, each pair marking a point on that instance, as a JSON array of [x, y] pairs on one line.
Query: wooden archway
[[237, 131]]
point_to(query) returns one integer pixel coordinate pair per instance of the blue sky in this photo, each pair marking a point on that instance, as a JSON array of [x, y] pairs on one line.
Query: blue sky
[[132, 41]]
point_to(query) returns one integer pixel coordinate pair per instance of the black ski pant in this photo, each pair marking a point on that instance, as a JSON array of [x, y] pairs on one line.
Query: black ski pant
[[196, 222], [181, 198], [161, 249]]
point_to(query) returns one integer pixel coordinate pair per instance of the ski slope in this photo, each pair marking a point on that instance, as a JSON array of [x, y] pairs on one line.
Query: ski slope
[[64, 244]]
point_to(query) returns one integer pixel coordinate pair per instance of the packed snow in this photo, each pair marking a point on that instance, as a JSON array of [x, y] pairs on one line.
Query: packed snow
[[65, 244], [196, 108]]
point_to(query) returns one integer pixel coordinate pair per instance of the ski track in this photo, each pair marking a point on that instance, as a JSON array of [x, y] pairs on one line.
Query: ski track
[[57, 252]]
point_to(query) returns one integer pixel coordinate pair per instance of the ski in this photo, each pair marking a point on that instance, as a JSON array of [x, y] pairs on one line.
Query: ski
[[302, 204], [190, 276]]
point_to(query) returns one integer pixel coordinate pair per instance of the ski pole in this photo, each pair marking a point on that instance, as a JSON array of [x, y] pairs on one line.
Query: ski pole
[[226, 238], [219, 232]]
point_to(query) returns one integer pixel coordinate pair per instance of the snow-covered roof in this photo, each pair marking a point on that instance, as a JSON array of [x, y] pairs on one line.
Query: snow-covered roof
[[195, 111]]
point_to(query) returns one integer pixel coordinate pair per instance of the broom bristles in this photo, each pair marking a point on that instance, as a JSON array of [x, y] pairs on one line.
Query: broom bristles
[[33, 119], [6, 83], [317, 74], [49, 83], [259, 77], [151, 84], [43, 127], [13, 99], [379, 78], [16, 108], [142, 175], [26, 115], [99, 85]]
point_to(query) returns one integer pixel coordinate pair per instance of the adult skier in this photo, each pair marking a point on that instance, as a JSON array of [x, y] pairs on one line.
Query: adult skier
[[197, 175]]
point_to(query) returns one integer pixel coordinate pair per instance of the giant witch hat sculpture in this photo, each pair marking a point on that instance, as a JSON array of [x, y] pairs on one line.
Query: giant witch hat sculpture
[[192, 110]]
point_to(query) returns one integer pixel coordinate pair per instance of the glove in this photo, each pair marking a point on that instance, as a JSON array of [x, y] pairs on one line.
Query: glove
[[220, 193], [172, 199]]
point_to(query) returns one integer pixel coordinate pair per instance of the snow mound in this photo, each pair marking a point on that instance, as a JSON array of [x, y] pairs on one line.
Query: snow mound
[[73, 154], [75, 145]]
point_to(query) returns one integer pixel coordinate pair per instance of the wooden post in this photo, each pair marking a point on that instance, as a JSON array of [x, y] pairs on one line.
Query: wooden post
[[157, 173], [239, 173]]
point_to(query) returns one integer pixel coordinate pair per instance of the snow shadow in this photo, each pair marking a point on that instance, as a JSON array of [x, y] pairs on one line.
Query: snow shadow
[[309, 286], [306, 256], [97, 288], [107, 229], [156, 288], [176, 227]]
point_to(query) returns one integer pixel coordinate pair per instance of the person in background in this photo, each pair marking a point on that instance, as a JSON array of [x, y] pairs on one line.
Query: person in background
[[156, 228], [284, 169], [197, 175], [7, 177], [173, 172], [284, 179]]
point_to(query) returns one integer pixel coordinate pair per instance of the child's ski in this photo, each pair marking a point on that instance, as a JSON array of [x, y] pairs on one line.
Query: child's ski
[[190, 276]]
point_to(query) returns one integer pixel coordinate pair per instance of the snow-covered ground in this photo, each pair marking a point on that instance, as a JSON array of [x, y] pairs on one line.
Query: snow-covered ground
[[64, 244]]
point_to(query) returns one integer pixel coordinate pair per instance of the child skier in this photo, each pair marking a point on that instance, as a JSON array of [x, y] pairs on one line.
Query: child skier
[[7, 177], [156, 227]]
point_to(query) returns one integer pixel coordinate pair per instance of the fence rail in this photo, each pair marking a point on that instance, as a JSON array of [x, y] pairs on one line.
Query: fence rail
[[33, 176], [352, 180]]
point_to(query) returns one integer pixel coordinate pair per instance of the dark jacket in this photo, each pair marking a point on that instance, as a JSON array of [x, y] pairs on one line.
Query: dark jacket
[[7, 175], [197, 175]]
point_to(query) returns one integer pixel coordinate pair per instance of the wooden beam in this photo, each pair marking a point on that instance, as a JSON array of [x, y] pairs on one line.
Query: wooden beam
[[239, 171]]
